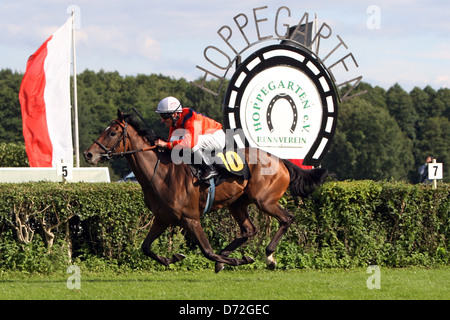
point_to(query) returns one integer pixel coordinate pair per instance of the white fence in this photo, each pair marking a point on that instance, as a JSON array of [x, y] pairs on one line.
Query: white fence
[[17, 175]]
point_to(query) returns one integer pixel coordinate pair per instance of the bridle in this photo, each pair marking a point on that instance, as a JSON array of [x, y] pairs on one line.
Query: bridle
[[110, 153]]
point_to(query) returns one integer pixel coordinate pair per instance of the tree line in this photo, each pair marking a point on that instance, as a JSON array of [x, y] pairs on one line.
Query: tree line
[[384, 134]]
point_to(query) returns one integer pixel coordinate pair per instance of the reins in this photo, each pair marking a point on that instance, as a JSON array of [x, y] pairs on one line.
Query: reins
[[121, 154]]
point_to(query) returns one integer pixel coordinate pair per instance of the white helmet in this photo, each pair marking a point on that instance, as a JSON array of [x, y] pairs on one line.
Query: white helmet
[[169, 105]]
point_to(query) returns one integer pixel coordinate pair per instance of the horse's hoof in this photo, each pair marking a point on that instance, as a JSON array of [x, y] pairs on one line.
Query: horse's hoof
[[219, 267], [248, 260], [272, 266], [271, 263], [178, 257]]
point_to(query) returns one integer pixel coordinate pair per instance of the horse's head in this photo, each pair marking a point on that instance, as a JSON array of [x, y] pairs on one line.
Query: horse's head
[[112, 141]]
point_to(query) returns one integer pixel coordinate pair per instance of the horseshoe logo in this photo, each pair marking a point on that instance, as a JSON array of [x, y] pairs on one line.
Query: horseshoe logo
[[270, 107]]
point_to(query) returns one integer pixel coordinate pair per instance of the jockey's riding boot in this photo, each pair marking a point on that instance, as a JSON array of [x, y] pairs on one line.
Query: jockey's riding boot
[[207, 166], [209, 172]]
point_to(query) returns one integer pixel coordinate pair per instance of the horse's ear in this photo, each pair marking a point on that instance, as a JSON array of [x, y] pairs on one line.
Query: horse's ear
[[119, 114]]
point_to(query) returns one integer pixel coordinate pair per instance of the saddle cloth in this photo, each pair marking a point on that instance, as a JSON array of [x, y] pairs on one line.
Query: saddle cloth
[[228, 163]]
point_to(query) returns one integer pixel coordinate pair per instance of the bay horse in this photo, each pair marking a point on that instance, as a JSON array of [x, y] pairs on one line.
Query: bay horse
[[175, 197]]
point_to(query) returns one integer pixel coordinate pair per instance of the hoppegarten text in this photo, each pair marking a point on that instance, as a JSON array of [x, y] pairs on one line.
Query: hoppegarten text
[[248, 31]]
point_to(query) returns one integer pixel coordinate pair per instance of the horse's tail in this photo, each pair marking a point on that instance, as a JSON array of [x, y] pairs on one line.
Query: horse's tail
[[304, 182]]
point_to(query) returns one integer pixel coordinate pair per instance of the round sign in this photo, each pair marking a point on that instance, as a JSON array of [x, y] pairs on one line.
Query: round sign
[[282, 100]]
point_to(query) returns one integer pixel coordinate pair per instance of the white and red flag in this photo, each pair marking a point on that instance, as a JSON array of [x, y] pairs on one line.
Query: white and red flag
[[45, 101]]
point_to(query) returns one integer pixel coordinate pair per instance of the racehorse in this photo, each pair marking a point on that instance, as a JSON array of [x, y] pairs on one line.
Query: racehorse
[[175, 197]]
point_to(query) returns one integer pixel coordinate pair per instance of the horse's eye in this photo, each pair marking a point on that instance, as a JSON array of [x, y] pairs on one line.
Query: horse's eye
[[112, 133]]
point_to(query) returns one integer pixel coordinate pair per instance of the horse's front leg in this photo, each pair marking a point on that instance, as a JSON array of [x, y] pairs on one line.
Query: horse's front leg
[[156, 230], [195, 229]]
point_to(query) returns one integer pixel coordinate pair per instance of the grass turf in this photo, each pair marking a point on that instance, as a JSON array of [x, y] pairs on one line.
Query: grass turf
[[396, 284]]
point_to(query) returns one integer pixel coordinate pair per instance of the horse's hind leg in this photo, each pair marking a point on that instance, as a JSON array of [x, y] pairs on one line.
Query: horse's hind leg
[[195, 229], [239, 212], [285, 219], [156, 230]]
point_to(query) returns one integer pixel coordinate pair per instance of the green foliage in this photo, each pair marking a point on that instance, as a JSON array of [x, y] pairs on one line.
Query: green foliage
[[389, 134], [400, 106], [11, 119], [13, 155], [386, 223], [33, 257], [344, 224], [368, 144]]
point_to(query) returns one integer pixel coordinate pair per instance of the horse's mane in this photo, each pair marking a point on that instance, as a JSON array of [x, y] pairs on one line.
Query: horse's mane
[[146, 133]]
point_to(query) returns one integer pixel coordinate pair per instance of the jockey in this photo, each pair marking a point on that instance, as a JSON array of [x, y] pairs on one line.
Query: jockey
[[191, 130]]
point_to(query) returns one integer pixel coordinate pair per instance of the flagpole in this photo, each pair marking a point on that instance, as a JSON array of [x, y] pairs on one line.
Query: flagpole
[[75, 97]]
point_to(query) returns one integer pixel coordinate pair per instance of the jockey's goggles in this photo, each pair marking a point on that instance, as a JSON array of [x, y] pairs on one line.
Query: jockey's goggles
[[165, 116]]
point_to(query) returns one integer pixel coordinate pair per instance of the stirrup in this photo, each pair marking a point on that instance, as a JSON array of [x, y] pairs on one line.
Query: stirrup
[[208, 174]]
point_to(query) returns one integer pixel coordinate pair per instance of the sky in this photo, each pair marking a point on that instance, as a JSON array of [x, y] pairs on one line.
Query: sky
[[394, 41]]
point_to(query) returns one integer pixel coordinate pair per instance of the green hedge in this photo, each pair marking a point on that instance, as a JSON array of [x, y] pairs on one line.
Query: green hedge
[[46, 226], [13, 155]]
